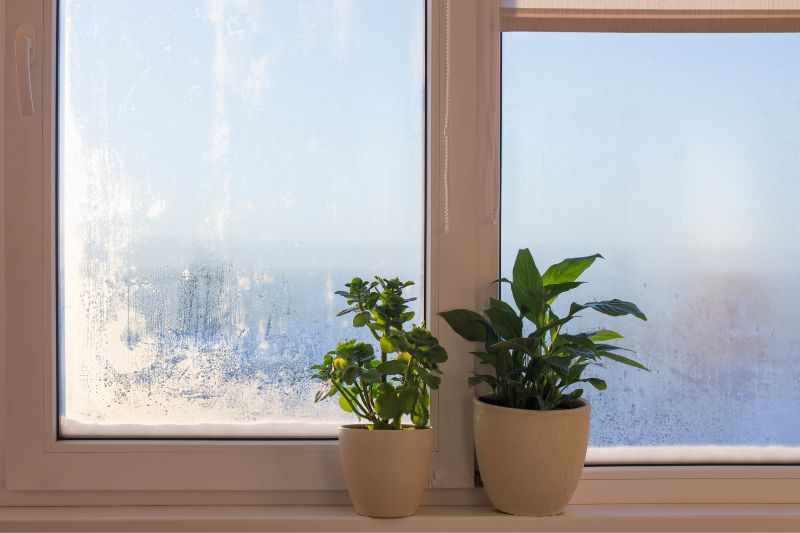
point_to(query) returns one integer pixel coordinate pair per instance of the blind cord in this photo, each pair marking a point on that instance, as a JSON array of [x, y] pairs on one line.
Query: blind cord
[[493, 171], [446, 125]]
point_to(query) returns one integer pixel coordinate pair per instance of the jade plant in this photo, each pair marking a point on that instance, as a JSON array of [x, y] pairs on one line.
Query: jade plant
[[535, 360], [386, 387]]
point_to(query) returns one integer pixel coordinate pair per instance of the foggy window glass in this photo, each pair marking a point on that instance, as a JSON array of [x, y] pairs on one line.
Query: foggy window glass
[[676, 156], [224, 167]]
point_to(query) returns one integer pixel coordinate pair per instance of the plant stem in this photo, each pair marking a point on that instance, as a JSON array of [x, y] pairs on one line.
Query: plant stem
[[366, 399], [384, 356], [354, 403], [398, 422]]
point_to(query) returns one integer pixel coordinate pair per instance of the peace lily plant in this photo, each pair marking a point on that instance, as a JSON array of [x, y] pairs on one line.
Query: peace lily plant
[[531, 432], [385, 461]]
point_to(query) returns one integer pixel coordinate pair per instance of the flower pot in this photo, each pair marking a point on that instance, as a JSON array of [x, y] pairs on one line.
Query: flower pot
[[530, 461], [386, 471]]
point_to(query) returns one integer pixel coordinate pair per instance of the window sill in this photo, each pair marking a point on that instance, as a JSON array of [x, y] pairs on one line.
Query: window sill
[[577, 518]]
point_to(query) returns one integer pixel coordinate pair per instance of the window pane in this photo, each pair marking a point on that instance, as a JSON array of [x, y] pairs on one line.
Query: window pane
[[224, 168], [676, 156]]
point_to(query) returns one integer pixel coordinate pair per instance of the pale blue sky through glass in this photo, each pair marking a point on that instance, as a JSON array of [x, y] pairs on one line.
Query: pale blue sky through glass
[[225, 166]]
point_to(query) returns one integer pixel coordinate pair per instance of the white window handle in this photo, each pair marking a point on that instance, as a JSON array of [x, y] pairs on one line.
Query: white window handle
[[25, 55]]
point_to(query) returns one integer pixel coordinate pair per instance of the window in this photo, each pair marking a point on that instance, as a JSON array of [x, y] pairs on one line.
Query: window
[[224, 168], [675, 156], [212, 172], [218, 219]]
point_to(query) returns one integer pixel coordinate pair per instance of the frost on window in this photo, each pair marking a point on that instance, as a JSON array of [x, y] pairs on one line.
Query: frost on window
[[678, 158], [225, 166]]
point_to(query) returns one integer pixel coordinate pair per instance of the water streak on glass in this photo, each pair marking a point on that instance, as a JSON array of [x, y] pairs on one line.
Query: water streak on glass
[[225, 166], [676, 156]]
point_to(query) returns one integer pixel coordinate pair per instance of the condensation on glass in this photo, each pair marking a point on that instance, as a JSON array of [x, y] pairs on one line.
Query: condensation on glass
[[676, 156], [224, 167]]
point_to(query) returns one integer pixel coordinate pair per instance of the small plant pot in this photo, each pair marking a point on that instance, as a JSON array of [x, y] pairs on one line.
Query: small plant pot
[[530, 461], [386, 471]]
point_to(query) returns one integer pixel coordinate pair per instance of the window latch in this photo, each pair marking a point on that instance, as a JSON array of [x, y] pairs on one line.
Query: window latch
[[25, 55]]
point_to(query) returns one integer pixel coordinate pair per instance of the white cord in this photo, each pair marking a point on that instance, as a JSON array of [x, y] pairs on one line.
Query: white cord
[[446, 126], [493, 172]]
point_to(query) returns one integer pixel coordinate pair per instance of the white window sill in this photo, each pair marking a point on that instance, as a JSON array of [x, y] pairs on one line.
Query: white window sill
[[578, 518]]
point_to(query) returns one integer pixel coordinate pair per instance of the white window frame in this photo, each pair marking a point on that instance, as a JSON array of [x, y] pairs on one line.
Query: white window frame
[[462, 259]]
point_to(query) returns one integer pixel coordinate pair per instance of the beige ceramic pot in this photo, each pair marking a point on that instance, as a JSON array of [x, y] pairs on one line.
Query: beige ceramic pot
[[386, 471], [530, 461]]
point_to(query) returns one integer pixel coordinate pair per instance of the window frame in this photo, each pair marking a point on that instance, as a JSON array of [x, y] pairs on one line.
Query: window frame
[[37, 469]]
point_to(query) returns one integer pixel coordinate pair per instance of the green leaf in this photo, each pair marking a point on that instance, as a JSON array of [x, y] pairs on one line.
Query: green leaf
[[399, 342], [604, 335], [523, 344], [615, 308], [350, 374], [581, 339], [575, 308], [526, 287], [575, 371], [425, 398], [371, 375], [503, 318], [386, 345], [408, 397], [486, 357], [597, 383], [535, 367], [520, 371], [550, 325], [481, 378], [552, 291], [577, 351], [395, 366], [558, 362], [361, 319], [420, 415], [430, 380], [624, 360], [434, 354], [405, 317], [421, 337], [574, 395], [610, 348], [469, 324], [503, 361], [568, 269], [344, 404], [387, 404]]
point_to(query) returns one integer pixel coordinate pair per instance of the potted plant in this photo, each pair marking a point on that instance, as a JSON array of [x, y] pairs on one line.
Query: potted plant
[[385, 461], [532, 431]]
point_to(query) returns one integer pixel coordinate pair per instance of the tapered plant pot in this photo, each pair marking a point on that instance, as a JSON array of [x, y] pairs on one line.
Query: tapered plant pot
[[530, 461], [386, 471]]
